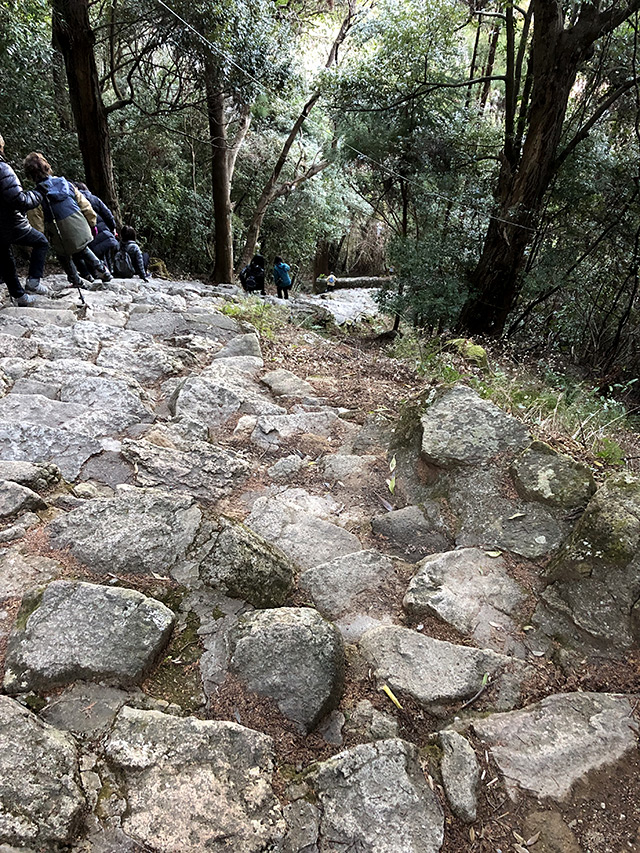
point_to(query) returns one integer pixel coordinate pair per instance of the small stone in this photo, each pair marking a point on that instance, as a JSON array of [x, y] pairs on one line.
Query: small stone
[[15, 498], [460, 774]]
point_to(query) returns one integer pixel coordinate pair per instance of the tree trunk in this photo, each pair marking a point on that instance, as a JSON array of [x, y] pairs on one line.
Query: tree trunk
[[220, 183], [74, 38], [524, 178]]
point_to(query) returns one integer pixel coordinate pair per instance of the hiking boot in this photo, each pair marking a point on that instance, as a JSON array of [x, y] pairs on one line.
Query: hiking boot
[[24, 300], [33, 285], [104, 274]]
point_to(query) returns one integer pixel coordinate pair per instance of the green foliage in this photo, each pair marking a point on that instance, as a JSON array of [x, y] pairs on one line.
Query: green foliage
[[266, 318]]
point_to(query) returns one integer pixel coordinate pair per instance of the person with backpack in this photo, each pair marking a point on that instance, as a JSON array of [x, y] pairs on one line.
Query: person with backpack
[[66, 218], [104, 245], [129, 260], [15, 229], [281, 277]]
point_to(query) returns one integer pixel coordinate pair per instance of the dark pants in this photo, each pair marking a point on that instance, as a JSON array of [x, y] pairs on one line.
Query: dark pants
[[283, 292], [85, 259], [8, 272]]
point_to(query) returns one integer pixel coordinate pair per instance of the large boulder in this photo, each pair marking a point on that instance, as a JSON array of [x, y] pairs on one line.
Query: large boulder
[[433, 672], [139, 531], [293, 656], [469, 590], [461, 428], [192, 785], [245, 566], [546, 748], [542, 474], [374, 797], [284, 383], [41, 801], [76, 630], [594, 586]]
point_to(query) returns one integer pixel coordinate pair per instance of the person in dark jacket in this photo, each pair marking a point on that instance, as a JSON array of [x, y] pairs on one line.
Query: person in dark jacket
[[66, 218], [129, 260], [104, 245], [15, 229], [256, 271]]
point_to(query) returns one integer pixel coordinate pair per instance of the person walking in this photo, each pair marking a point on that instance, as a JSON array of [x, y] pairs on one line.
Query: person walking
[[15, 229], [281, 277], [104, 245], [66, 218], [256, 271]]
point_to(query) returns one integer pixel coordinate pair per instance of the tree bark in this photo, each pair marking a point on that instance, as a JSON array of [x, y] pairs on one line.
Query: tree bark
[[525, 176], [74, 38], [223, 158]]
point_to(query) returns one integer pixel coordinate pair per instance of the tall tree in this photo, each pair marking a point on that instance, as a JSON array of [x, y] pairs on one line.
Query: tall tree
[[532, 153], [74, 38]]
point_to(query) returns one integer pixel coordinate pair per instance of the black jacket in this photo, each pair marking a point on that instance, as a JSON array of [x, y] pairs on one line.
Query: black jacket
[[105, 224], [14, 203]]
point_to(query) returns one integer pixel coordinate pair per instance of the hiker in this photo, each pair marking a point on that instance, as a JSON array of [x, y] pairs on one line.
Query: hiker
[[256, 271], [104, 245], [331, 281], [281, 277], [66, 218], [15, 229], [129, 260]]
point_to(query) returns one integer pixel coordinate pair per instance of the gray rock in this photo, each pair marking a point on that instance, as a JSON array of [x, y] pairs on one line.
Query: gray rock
[[219, 392], [15, 347], [194, 785], [374, 797], [469, 590], [139, 531], [348, 469], [303, 821], [370, 724], [20, 570], [460, 775], [432, 671], [243, 345], [36, 477], [487, 518], [15, 498], [146, 364], [76, 630], [39, 316], [36, 443], [283, 383], [272, 429], [595, 580], [293, 656], [298, 523], [161, 323], [463, 429], [541, 474], [195, 467], [362, 583], [111, 394], [285, 468], [41, 802], [545, 748], [84, 709], [245, 566], [409, 533]]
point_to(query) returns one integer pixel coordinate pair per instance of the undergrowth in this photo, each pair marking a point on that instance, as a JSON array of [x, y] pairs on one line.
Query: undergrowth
[[547, 400], [266, 318]]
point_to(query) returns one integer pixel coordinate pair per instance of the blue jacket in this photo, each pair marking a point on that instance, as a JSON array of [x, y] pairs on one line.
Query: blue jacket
[[106, 225], [281, 274], [14, 203], [64, 223]]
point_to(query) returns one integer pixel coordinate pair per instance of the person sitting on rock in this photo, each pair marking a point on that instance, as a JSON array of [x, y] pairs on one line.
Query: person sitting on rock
[[15, 229], [129, 260], [66, 218]]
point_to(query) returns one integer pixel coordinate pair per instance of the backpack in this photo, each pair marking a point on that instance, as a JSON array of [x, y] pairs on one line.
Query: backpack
[[247, 279], [122, 266]]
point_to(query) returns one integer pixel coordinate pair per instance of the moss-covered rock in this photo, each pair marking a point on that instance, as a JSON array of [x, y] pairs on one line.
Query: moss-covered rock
[[471, 352], [542, 474]]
